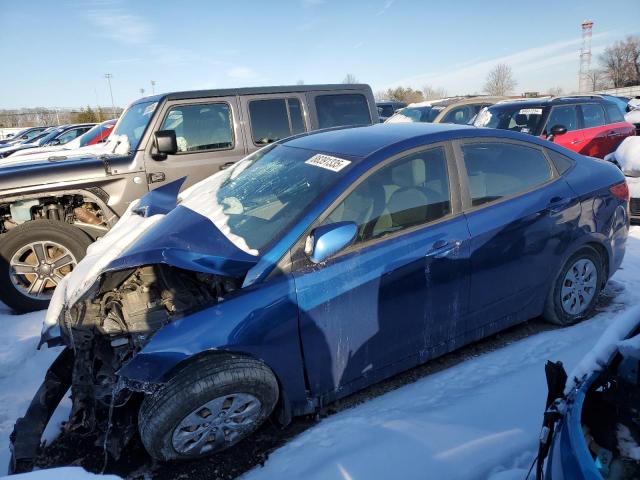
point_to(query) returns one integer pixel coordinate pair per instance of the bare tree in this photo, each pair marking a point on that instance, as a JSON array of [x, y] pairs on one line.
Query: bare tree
[[555, 91], [597, 80], [621, 62], [350, 78], [500, 80], [431, 93], [405, 94], [381, 96]]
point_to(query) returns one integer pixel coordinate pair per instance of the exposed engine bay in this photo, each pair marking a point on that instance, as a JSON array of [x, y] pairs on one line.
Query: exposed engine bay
[[101, 334], [611, 420]]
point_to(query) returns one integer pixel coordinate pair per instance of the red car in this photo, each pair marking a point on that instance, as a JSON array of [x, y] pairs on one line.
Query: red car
[[589, 125]]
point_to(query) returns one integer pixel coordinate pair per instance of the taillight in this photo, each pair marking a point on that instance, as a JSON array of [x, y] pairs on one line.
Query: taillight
[[621, 191]]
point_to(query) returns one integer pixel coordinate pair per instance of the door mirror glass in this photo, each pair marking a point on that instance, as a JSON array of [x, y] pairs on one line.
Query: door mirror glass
[[166, 144], [327, 240], [54, 142]]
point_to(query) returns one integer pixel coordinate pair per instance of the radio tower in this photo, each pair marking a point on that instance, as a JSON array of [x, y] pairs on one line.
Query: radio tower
[[584, 84]]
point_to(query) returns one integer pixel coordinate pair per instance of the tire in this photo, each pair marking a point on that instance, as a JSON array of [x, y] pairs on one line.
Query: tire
[[556, 310], [164, 414], [55, 237]]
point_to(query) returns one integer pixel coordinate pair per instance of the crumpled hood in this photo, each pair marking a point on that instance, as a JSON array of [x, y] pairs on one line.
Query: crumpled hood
[[153, 230]]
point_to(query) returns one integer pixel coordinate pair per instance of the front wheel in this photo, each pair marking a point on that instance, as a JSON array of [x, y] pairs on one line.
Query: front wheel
[[207, 407], [34, 257], [575, 292]]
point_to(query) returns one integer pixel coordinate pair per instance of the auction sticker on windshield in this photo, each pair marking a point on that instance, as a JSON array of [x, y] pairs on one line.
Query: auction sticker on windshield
[[531, 111], [328, 162]]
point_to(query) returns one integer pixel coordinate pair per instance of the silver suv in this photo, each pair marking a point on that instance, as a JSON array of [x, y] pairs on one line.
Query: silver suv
[[51, 210]]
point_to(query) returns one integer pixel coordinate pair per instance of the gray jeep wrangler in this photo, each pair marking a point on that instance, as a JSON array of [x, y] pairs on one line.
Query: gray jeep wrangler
[[52, 209]]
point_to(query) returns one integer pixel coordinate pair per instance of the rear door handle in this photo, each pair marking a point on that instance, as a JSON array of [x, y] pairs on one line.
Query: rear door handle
[[443, 248]]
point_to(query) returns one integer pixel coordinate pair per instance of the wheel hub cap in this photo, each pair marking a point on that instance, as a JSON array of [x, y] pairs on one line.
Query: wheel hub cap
[[37, 268], [579, 286], [218, 423]]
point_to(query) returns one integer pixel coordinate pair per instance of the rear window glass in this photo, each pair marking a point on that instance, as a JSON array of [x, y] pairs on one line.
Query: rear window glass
[[497, 170], [342, 110], [593, 115], [270, 121], [615, 115]]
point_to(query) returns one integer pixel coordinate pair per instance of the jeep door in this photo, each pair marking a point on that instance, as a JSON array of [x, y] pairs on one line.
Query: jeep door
[[209, 137], [272, 117]]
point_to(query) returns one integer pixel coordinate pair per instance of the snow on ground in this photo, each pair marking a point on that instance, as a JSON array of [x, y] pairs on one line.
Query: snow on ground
[[66, 473], [478, 419]]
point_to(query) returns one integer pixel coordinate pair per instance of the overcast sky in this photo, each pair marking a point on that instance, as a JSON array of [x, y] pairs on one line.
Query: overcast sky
[[55, 53]]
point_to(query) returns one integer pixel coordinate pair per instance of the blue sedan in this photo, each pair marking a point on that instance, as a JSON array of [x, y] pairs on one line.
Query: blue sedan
[[327, 262]]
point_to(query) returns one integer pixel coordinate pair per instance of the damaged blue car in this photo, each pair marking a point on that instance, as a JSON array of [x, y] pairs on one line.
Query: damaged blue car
[[313, 268]]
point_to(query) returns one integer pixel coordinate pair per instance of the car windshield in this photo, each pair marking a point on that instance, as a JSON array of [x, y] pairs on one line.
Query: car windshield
[[425, 114], [87, 137], [133, 123], [254, 202], [47, 137], [521, 118]]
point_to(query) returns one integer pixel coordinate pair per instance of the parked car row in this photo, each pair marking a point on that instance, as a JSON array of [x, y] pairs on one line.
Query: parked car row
[[228, 290], [47, 137]]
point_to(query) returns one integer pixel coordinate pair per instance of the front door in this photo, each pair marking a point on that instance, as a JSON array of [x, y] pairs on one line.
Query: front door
[[209, 139], [566, 116], [399, 291]]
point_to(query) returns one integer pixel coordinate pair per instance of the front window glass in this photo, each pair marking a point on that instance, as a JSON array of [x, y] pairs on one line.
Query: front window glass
[[408, 192], [565, 115], [614, 112], [459, 115], [385, 110], [200, 127], [257, 199], [133, 123], [520, 118], [342, 110], [593, 115], [497, 170]]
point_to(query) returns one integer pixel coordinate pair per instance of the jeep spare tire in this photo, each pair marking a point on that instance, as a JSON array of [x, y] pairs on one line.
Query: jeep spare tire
[[34, 257]]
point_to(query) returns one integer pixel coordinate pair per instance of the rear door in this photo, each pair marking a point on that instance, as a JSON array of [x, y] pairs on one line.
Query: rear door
[[209, 140], [519, 212], [595, 130], [272, 117]]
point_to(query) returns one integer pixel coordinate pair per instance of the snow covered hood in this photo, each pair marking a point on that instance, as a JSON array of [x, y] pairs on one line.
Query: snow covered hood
[[187, 231], [627, 156]]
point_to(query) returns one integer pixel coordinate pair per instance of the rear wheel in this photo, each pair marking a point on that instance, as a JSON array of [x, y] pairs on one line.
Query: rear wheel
[[207, 407], [34, 257], [575, 291]]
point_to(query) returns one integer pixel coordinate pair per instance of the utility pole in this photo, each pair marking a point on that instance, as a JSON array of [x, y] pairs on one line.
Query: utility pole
[[57, 115], [153, 87], [142, 92], [585, 57], [109, 76]]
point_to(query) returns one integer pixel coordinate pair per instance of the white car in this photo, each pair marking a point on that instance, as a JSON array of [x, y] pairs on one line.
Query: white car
[[627, 157]]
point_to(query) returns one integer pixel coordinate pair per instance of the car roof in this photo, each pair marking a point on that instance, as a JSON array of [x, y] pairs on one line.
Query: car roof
[[548, 101], [224, 92], [364, 141]]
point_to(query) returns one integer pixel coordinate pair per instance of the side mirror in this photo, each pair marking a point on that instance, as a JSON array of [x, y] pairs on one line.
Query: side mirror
[[54, 142], [327, 240], [556, 130], [165, 143]]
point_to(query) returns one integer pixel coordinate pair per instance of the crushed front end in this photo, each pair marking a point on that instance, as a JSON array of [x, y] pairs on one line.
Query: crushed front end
[[101, 332]]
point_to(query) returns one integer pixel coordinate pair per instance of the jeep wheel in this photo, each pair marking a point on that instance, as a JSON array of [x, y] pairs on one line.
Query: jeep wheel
[[207, 407], [34, 257]]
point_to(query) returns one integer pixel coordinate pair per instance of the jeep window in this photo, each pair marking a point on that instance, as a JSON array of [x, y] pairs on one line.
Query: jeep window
[[201, 127], [133, 123], [593, 115], [520, 117], [274, 119], [342, 109], [255, 201]]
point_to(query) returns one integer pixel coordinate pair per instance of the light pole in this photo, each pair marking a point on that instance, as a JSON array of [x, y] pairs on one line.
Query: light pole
[[109, 76], [142, 92], [153, 87]]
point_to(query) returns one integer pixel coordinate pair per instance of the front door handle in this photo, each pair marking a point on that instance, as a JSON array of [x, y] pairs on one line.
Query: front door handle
[[576, 142], [443, 248]]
